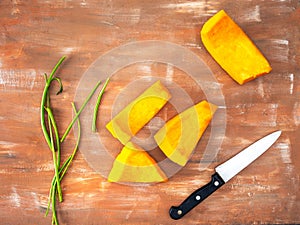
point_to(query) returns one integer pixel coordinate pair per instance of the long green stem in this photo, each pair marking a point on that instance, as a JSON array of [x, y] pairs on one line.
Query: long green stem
[[56, 67], [44, 128], [44, 98], [52, 143], [52, 137], [55, 157], [94, 127], [71, 157], [79, 111], [53, 202], [51, 188], [53, 185], [66, 164], [53, 123]]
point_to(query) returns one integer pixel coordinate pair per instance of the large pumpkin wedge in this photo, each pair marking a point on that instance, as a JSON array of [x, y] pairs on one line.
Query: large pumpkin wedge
[[138, 113], [232, 49], [133, 164], [180, 135]]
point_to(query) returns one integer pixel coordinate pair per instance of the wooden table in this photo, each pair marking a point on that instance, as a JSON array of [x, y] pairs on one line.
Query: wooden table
[[35, 34]]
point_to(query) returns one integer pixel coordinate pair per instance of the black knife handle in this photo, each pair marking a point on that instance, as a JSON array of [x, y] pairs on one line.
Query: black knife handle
[[177, 212]]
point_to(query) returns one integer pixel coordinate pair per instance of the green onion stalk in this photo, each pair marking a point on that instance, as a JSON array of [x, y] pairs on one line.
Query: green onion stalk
[[53, 140]]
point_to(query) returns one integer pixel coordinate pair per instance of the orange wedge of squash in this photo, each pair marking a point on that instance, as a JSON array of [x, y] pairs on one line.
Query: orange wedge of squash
[[138, 113], [180, 135], [232, 49], [133, 164]]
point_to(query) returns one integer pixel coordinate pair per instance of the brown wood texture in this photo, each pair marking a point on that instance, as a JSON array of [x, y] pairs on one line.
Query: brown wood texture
[[35, 34]]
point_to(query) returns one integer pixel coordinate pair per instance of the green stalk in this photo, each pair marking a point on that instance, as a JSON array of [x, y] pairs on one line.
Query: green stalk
[[53, 188], [56, 67], [50, 197], [53, 185], [44, 98], [55, 158], [44, 128], [94, 127], [65, 165], [53, 123], [53, 202], [54, 142], [79, 111], [71, 157]]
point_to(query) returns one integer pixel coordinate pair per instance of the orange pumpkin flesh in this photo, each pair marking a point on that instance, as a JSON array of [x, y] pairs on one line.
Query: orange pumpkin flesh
[[232, 49], [133, 164], [179, 136], [138, 113]]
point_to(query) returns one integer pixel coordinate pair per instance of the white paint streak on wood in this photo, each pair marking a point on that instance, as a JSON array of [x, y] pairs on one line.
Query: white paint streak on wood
[[260, 88], [196, 183], [271, 111], [198, 8], [15, 9], [108, 23], [264, 188], [281, 47], [280, 41], [104, 185], [285, 149], [131, 211], [15, 198], [273, 116], [135, 16], [185, 5], [35, 199], [7, 145], [68, 50], [193, 45], [48, 166], [285, 152], [281, 0], [18, 78], [83, 3], [291, 202], [252, 14], [296, 113], [7, 153], [292, 83], [4, 171], [145, 68], [170, 73]]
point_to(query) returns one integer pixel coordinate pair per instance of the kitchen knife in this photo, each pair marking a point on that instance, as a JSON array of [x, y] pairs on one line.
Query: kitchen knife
[[224, 173]]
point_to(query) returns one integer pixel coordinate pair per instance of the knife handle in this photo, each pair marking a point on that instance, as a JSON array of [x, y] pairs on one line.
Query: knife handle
[[177, 212]]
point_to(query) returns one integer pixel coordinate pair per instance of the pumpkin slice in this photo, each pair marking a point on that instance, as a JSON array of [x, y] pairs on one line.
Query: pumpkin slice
[[180, 135], [138, 113], [133, 164], [233, 49]]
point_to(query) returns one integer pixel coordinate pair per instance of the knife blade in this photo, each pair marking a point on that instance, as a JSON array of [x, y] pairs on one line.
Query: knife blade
[[224, 173]]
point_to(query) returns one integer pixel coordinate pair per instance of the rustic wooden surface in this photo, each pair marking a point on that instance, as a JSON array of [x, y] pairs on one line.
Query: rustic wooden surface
[[35, 34]]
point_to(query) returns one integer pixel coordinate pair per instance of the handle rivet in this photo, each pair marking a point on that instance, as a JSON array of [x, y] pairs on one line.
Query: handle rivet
[[198, 197], [179, 212], [216, 183]]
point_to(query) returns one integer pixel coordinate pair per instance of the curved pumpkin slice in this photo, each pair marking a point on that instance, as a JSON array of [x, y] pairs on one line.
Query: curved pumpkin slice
[[180, 135], [138, 113], [232, 49], [134, 164]]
